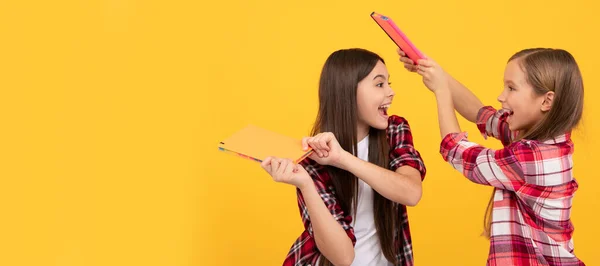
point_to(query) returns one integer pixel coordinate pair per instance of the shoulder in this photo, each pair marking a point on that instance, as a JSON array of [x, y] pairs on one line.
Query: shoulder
[[398, 129], [397, 124], [544, 163], [531, 150], [527, 153]]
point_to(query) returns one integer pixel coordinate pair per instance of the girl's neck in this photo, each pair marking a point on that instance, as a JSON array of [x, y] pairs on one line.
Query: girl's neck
[[362, 132]]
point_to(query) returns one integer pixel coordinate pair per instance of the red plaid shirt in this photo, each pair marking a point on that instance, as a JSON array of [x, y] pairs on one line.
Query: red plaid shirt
[[534, 188], [304, 251]]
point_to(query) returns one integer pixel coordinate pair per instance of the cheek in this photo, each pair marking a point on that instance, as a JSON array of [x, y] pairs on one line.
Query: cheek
[[364, 101], [363, 108], [528, 110], [516, 103]]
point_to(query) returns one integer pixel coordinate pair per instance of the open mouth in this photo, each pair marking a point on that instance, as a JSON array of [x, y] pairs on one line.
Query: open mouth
[[383, 110]]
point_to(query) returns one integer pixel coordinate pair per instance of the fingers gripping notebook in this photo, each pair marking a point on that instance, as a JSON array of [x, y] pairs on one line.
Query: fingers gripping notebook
[[257, 143]]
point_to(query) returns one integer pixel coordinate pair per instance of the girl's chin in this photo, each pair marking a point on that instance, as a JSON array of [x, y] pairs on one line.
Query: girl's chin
[[381, 124]]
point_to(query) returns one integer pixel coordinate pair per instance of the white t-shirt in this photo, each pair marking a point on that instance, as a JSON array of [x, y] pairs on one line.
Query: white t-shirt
[[367, 250]]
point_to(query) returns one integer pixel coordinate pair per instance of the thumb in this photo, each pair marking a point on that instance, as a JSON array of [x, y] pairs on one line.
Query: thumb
[[266, 162], [329, 137], [305, 143]]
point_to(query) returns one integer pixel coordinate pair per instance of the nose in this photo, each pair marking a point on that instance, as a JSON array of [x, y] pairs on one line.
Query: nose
[[502, 96], [390, 92]]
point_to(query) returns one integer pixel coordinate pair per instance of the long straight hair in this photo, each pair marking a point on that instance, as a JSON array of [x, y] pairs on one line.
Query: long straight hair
[[338, 113], [549, 70]]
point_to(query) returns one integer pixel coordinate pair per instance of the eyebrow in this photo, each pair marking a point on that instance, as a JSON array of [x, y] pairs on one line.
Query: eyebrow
[[380, 76]]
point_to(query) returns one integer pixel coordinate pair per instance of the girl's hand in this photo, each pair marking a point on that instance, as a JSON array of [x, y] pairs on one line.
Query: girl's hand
[[434, 77], [286, 171], [327, 150], [408, 63]]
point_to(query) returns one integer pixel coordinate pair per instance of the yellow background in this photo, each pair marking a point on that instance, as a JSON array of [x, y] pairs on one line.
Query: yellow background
[[111, 112]]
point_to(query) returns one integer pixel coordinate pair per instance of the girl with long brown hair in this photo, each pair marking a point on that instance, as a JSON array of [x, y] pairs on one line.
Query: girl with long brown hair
[[354, 189]]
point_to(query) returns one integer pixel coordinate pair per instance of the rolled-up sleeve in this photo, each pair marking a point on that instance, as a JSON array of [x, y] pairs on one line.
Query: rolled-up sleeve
[[497, 168], [402, 148], [492, 123]]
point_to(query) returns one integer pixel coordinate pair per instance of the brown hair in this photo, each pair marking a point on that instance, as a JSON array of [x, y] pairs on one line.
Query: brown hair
[[549, 70], [338, 113]]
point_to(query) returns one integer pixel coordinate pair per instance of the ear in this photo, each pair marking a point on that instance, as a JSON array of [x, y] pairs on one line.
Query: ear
[[548, 100]]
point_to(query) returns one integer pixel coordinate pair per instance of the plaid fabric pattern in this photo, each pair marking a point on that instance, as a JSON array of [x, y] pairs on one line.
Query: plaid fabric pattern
[[534, 188], [304, 251]]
